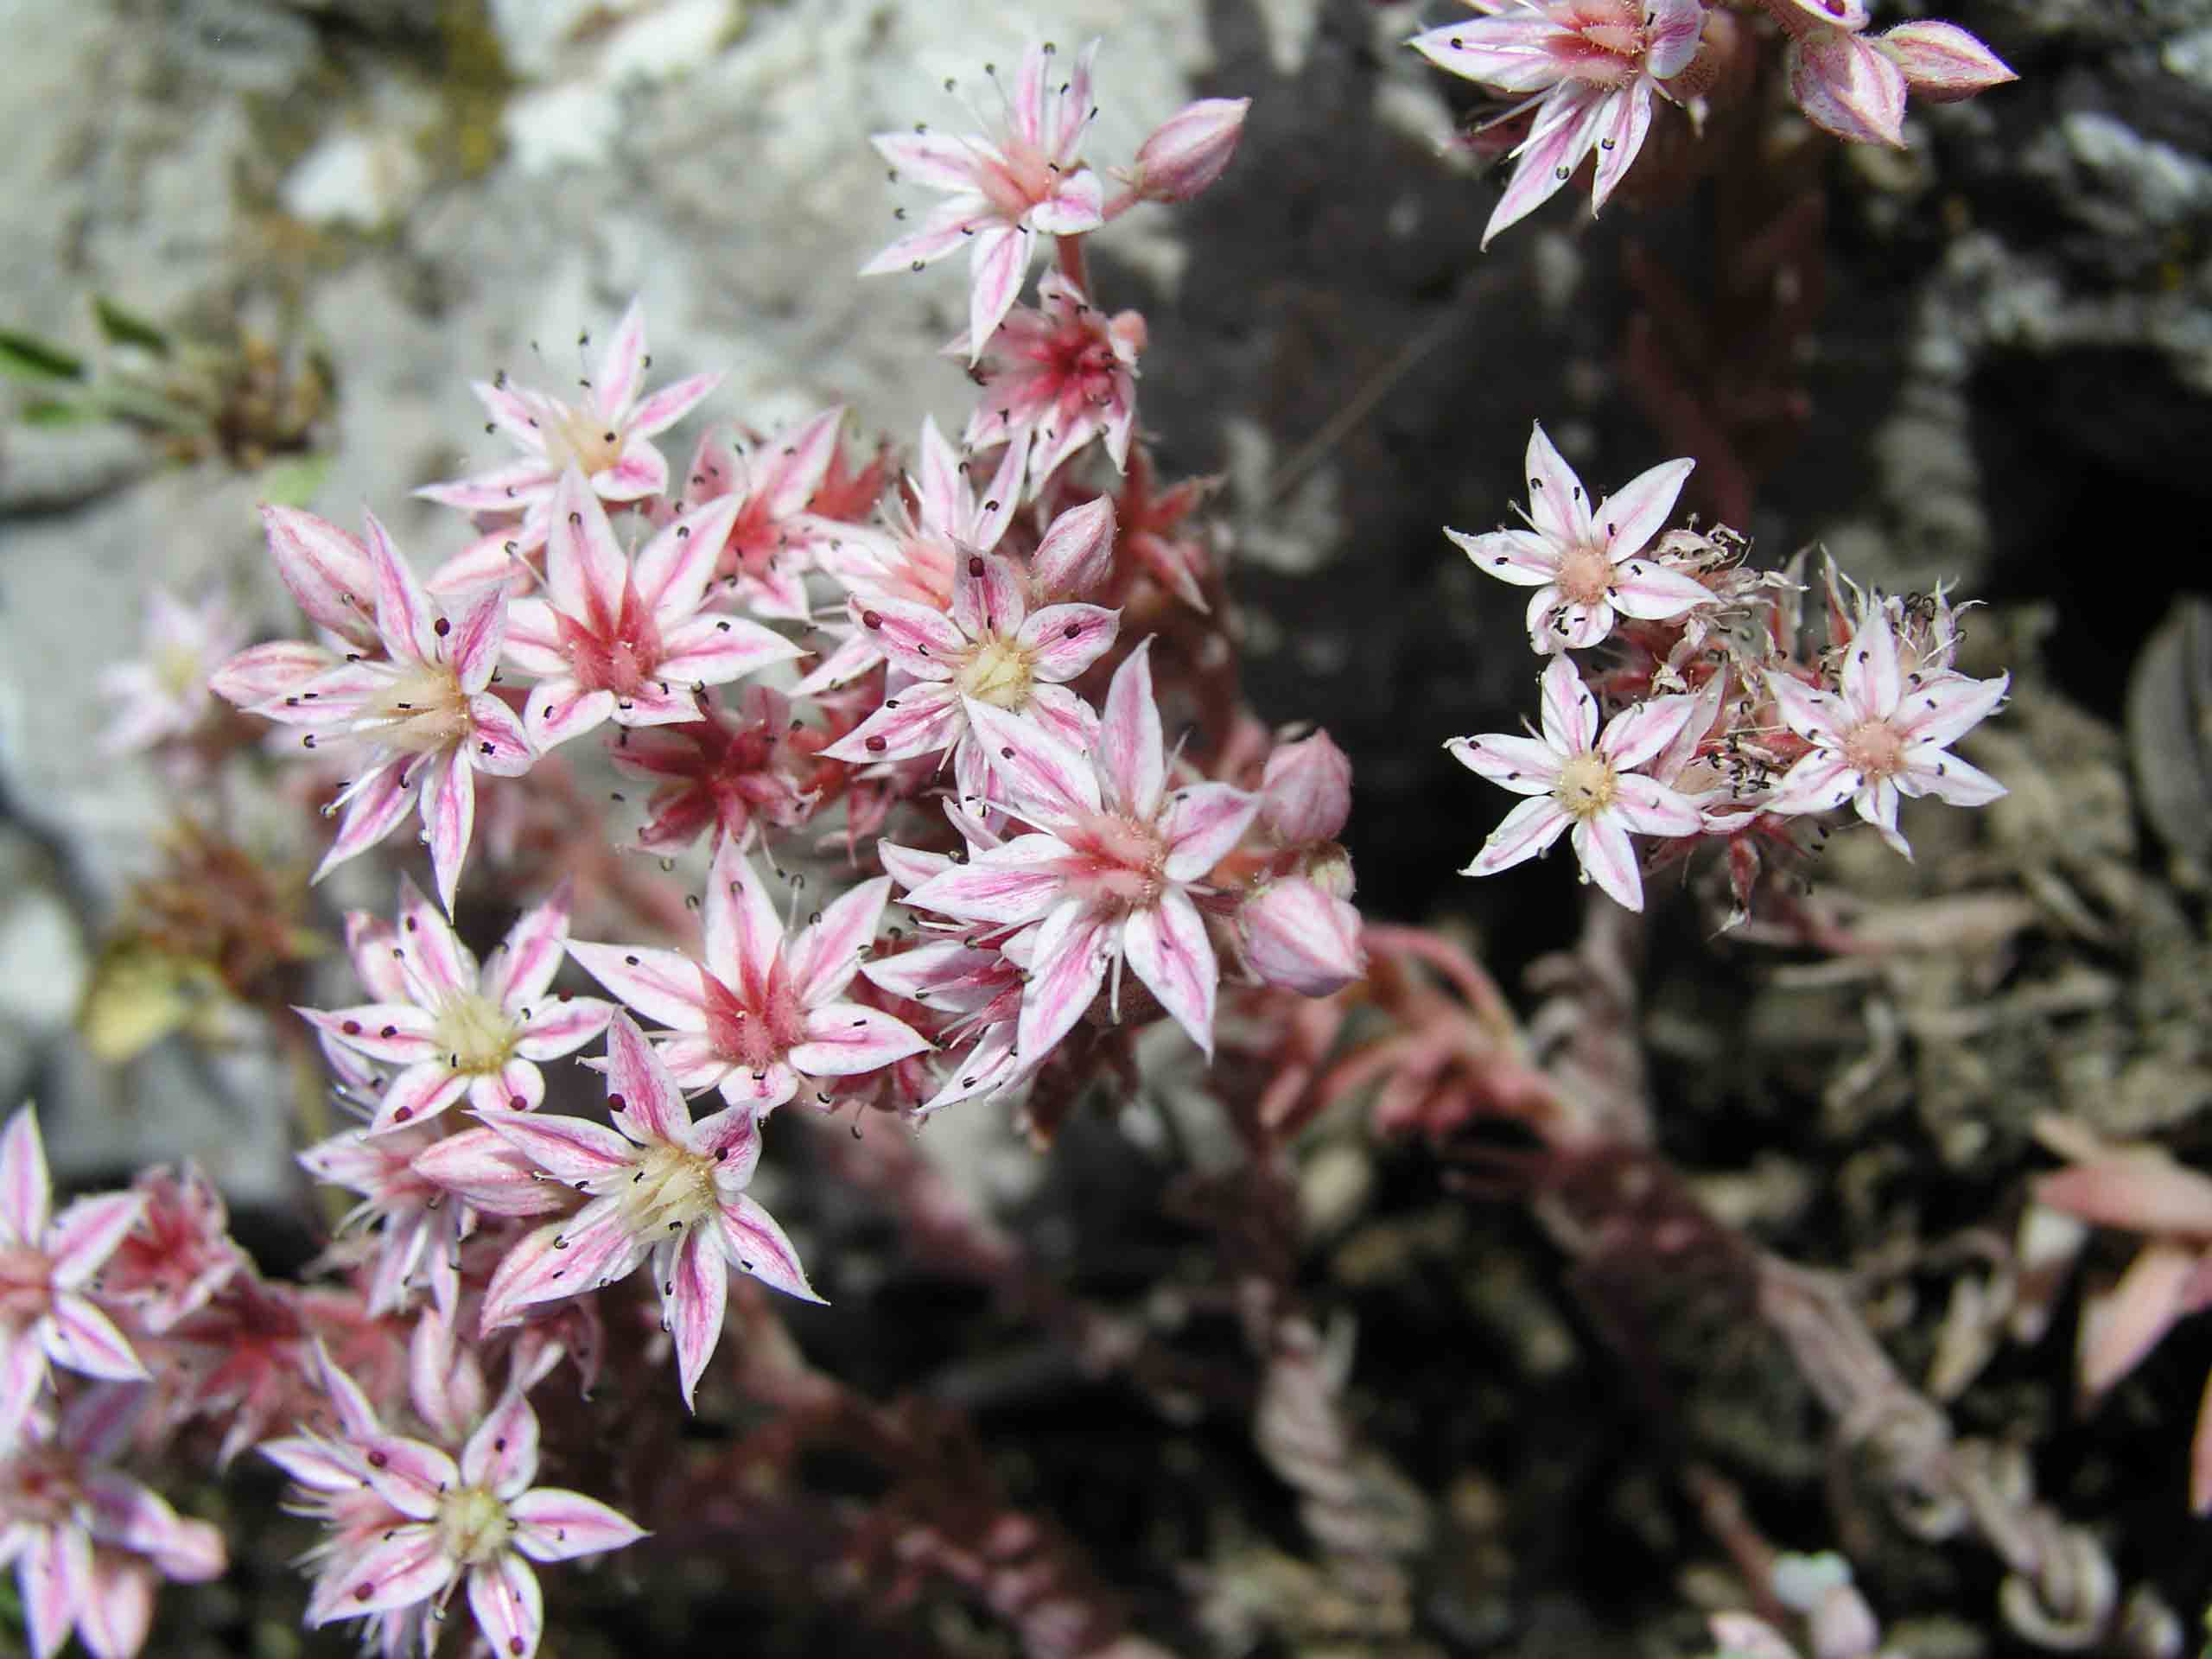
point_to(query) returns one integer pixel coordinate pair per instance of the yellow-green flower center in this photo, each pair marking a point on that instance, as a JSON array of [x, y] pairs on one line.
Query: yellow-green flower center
[[476, 1034], [670, 1189], [421, 709], [581, 435], [472, 1525], [999, 672], [1586, 784]]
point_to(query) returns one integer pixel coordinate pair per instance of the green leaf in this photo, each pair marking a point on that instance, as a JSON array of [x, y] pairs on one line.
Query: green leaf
[[54, 411], [26, 357], [127, 328]]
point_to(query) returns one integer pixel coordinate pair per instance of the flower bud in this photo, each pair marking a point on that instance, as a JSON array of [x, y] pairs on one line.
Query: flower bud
[[1847, 86], [1187, 151], [1296, 934], [1305, 791], [1077, 554], [1942, 62]]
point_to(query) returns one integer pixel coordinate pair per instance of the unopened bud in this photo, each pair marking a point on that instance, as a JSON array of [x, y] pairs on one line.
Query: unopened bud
[[1077, 554], [1305, 791], [1187, 151], [1942, 62], [1847, 86], [1296, 934]]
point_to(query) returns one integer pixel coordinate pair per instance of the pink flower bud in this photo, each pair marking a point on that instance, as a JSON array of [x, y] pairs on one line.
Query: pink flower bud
[[1305, 791], [1942, 62], [1077, 554], [1187, 151], [1847, 86], [1297, 934]]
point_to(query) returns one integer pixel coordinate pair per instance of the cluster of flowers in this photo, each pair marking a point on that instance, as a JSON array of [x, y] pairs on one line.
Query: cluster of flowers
[[1720, 728], [1584, 74], [1050, 835]]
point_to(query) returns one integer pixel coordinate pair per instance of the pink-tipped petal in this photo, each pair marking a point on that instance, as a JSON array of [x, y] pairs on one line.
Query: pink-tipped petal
[[402, 1566], [406, 616], [1202, 826], [693, 1298], [26, 1192], [521, 969], [557, 1026], [825, 956], [508, 1607], [574, 1151], [651, 1103], [1010, 886], [1633, 514], [1569, 712], [1167, 948], [674, 568], [558, 1526], [998, 262], [756, 1245], [1068, 965], [86, 1234], [711, 649], [927, 719], [421, 1092], [1132, 753], [1609, 857], [622, 366], [744, 936], [585, 569], [502, 1453], [449, 818], [78, 1338], [844, 1039], [662, 985], [326, 571], [1063, 641], [664, 408], [438, 965], [1529, 828]]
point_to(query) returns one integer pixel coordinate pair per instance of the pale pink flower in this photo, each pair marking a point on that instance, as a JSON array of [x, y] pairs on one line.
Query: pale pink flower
[[1055, 376], [764, 1013], [1886, 735], [1942, 62], [419, 1228], [1589, 69], [46, 1263], [331, 577], [1188, 152], [462, 1028], [936, 520], [1110, 874], [1301, 933], [992, 649], [607, 437], [410, 1522], [165, 694], [422, 717], [973, 981], [764, 556], [2141, 1189], [1578, 779], [726, 773], [179, 1252], [1587, 567], [1026, 180], [89, 1545], [663, 1187], [623, 639], [1847, 85]]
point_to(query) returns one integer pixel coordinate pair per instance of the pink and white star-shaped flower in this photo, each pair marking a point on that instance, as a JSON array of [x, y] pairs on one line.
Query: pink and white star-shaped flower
[[466, 1029], [658, 1184], [764, 1013], [1055, 376], [410, 1522], [993, 649], [767, 548], [1109, 874], [422, 717], [89, 1545], [1578, 779], [1886, 735], [1587, 566], [623, 639], [1005, 190], [1589, 69], [46, 1262], [607, 437]]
